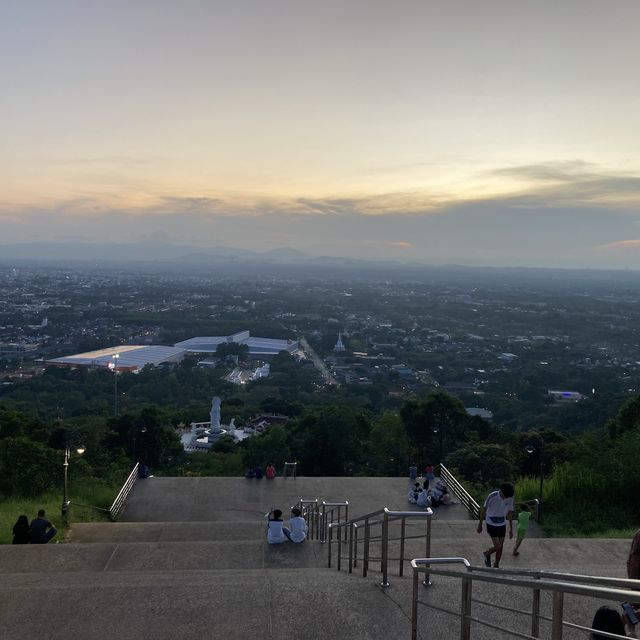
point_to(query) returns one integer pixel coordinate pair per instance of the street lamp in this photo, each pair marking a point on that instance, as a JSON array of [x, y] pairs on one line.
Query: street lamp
[[440, 430], [114, 364], [136, 430], [65, 466], [531, 449]]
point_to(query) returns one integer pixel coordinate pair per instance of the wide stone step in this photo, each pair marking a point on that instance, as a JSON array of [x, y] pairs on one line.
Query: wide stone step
[[210, 499], [159, 556], [166, 531], [311, 604], [233, 530]]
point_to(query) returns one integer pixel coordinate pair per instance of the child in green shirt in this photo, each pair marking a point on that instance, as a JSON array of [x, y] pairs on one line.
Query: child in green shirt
[[523, 524]]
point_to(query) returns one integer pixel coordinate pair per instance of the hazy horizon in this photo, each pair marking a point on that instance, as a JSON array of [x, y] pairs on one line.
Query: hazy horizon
[[481, 134]]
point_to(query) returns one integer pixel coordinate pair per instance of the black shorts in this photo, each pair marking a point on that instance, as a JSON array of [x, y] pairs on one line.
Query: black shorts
[[497, 532]]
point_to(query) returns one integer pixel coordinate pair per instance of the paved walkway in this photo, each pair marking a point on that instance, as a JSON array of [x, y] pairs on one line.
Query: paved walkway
[[189, 561]]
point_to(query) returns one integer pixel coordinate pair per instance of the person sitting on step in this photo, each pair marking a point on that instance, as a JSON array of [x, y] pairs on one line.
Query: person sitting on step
[[412, 496], [298, 527], [277, 533]]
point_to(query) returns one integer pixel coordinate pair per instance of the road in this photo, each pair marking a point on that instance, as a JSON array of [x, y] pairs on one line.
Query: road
[[319, 365]]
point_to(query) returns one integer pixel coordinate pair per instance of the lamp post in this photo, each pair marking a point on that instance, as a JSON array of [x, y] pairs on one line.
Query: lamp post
[[531, 449], [65, 467], [114, 358], [440, 431], [136, 430]]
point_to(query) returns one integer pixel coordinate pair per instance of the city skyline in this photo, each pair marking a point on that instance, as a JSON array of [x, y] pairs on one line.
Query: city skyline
[[492, 134]]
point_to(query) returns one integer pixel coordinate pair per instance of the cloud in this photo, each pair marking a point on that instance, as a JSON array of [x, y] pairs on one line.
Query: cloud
[[571, 214], [622, 244], [579, 182], [398, 244]]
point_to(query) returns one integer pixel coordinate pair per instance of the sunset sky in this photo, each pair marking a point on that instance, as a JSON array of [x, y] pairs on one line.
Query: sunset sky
[[500, 132]]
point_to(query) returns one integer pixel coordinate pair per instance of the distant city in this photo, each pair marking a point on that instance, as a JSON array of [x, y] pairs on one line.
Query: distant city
[[518, 347]]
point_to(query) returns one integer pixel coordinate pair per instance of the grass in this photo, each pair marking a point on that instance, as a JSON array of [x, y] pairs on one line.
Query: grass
[[87, 492]]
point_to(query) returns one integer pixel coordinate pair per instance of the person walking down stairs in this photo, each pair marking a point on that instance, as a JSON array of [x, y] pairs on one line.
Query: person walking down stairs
[[497, 510]]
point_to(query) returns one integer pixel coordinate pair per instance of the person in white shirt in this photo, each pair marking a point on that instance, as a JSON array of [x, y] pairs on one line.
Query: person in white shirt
[[424, 499], [497, 510], [277, 533], [412, 496], [298, 527]]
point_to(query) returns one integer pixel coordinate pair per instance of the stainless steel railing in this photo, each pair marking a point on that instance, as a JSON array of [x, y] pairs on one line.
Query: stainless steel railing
[[459, 491], [121, 498], [311, 513], [332, 513], [349, 530], [290, 469], [556, 584]]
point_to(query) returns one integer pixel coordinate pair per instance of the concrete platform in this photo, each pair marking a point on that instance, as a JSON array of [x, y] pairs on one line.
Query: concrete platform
[[314, 605], [212, 499], [190, 561]]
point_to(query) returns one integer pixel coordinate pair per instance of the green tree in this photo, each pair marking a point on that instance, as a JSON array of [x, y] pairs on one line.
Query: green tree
[[28, 468], [483, 464], [330, 441], [389, 446], [270, 446], [440, 419]]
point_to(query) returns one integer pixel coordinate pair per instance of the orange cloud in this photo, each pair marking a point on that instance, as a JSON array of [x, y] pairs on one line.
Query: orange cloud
[[399, 244], [623, 244]]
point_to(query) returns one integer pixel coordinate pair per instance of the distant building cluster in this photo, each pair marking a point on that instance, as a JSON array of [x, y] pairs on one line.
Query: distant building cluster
[[242, 376], [122, 357], [257, 346], [135, 357]]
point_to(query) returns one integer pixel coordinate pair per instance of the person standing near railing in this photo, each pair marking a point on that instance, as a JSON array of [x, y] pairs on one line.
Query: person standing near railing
[[633, 561], [498, 508]]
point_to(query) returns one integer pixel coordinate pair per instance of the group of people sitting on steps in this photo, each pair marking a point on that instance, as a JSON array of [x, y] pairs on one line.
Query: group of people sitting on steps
[[277, 533], [423, 496]]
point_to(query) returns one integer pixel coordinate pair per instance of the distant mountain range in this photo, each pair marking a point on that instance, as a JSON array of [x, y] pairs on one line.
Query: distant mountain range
[[283, 261], [144, 252]]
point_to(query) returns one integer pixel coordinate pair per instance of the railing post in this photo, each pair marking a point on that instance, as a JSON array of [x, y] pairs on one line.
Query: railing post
[[414, 606], [556, 616], [346, 516], [365, 554], [339, 547], [351, 528], [465, 609], [355, 546], [535, 613], [323, 524], [385, 550], [427, 578], [402, 534], [329, 549]]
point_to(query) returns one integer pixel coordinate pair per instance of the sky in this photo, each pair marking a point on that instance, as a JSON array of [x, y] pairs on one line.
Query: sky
[[500, 132]]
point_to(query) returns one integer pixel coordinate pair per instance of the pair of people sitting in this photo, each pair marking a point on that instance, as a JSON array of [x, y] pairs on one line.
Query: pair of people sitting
[[277, 533]]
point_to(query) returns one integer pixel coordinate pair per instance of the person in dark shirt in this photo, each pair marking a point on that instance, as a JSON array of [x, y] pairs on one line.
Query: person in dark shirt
[[21, 531], [42, 530]]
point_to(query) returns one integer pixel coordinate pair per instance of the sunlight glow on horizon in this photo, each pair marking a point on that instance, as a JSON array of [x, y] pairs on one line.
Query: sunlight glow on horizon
[[217, 111]]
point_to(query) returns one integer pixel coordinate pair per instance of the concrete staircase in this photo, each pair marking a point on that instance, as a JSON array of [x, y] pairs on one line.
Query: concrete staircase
[[189, 560]]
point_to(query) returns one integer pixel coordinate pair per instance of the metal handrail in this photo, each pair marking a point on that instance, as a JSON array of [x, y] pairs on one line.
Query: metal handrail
[[351, 528], [118, 503], [290, 466], [332, 513], [311, 513], [459, 491], [558, 584]]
